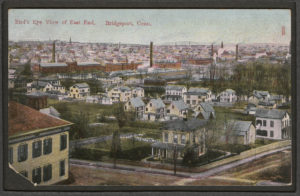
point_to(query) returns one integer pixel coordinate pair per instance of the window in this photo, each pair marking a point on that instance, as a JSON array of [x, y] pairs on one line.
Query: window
[[11, 155], [166, 137], [264, 123], [175, 139], [168, 111], [150, 104], [48, 146], [63, 142], [22, 152], [24, 173], [258, 122], [146, 109], [36, 149], [272, 123], [188, 102], [62, 168], [271, 133], [36, 175], [183, 139], [194, 102], [47, 173], [262, 132]]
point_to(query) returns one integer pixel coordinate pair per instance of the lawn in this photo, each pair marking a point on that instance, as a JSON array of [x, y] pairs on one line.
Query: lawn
[[131, 150], [69, 109], [229, 114]]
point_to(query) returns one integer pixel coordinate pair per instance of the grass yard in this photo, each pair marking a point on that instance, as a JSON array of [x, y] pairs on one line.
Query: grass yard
[[69, 109], [131, 150], [222, 112]]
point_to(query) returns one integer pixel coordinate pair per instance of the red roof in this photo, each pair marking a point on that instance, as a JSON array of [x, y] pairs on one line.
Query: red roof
[[22, 119]]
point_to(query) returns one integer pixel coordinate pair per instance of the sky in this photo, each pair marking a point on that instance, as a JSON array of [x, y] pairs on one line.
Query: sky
[[164, 25]]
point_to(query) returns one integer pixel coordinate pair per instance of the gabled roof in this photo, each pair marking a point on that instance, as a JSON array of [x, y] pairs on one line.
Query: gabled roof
[[157, 103], [82, 85], [272, 114], [48, 78], [198, 90], [124, 88], [180, 105], [241, 127], [137, 102], [260, 94], [185, 125], [39, 84], [23, 119], [229, 91], [50, 111], [177, 88], [207, 107]]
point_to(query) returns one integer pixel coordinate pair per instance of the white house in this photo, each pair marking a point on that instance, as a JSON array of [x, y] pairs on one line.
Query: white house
[[195, 96], [79, 91], [136, 105], [155, 110], [138, 92], [272, 124], [242, 132], [175, 90], [228, 96]]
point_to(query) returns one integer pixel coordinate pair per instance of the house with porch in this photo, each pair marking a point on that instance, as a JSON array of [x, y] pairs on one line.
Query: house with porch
[[155, 110], [195, 96], [204, 111], [228, 96], [273, 124], [177, 109], [135, 105], [177, 134], [79, 91]]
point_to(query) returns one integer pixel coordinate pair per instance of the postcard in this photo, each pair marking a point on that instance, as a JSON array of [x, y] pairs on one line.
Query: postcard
[[150, 97]]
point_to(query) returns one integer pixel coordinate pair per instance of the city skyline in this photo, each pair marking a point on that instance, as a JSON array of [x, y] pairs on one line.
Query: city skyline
[[159, 26]]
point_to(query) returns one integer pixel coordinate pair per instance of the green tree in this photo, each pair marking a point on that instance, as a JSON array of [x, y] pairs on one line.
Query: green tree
[[115, 150], [81, 125], [27, 70]]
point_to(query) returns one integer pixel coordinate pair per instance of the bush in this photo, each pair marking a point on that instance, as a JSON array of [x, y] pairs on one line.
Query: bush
[[88, 154], [233, 148]]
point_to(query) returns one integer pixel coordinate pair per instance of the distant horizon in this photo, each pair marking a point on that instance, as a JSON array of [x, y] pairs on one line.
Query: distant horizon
[[144, 44], [161, 26]]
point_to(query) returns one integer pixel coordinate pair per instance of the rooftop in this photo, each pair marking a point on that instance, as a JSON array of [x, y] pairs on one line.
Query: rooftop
[[137, 102], [185, 125], [273, 114], [23, 119]]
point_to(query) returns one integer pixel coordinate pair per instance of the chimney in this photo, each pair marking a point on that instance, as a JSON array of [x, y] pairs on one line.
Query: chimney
[[212, 50], [237, 52], [221, 44], [53, 52], [151, 55]]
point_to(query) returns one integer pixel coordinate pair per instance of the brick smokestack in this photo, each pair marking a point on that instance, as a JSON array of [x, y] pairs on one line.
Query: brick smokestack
[[151, 54], [212, 50], [53, 52], [236, 52], [221, 44]]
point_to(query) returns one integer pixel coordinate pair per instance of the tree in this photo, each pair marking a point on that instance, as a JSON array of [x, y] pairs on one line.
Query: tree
[[81, 126], [27, 70], [175, 155], [115, 150], [190, 156], [120, 116]]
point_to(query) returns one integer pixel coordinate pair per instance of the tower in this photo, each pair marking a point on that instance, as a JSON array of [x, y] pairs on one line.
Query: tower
[[70, 41], [222, 44], [236, 52], [151, 55], [53, 52]]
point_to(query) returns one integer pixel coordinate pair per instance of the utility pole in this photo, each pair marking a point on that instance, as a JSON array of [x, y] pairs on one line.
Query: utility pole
[[175, 158]]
